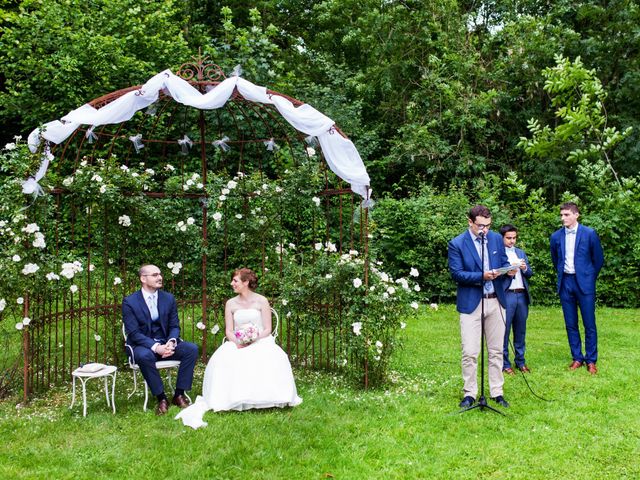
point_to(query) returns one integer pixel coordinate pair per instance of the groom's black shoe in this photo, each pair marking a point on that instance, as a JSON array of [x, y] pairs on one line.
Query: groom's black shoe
[[180, 401], [467, 402], [163, 407]]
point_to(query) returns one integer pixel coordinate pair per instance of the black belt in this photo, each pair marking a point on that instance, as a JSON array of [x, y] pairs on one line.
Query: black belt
[[517, 290], [490, 295]]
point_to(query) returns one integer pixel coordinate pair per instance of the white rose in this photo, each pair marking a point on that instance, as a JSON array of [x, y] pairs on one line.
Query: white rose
[[217, 216], [97, 337], [357, 283], [117, 281], [414, 305], [16, 258], [19, 326], [200, 326], [414, 272], [73, 288], [357, 327], [19, 300], [191, 221], [316, 200], [238, 216]]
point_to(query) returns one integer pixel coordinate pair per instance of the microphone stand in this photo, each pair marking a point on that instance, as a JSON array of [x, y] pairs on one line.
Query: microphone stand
[[482, 400]]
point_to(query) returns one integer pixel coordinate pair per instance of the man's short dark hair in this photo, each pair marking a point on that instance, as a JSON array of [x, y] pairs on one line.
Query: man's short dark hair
[[507, 228], [570, 206], [479, 211]]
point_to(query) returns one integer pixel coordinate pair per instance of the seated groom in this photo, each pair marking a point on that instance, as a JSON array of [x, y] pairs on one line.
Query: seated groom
[[150, 318]]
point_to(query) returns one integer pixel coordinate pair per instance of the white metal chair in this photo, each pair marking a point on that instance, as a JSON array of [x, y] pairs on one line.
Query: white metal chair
[[160, 365]]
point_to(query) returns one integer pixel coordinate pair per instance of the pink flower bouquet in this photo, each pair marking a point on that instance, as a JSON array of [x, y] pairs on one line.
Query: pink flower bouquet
[[246, 334]]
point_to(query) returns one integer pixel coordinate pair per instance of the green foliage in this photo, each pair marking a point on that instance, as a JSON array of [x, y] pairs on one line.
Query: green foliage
[[58, 55], [581, 132]]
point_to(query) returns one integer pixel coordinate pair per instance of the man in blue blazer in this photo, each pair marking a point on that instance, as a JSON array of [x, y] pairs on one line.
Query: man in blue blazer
[[577, 256], [518, 300], [476, 282], [151, 322]]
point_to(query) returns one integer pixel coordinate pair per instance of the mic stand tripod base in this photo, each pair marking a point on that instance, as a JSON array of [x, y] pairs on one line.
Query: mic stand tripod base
[[482, 405]]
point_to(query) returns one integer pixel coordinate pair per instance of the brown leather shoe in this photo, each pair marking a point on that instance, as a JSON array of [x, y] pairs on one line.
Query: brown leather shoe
[[591, 368], [524, 369], [163, 407], [575, 365], [180, 401], [509, 371]]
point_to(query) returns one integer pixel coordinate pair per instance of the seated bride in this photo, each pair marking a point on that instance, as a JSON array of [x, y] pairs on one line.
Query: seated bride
[[249, 370]]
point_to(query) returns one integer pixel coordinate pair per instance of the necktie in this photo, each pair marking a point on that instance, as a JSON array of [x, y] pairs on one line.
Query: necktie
[[153, 308], [486, 285]]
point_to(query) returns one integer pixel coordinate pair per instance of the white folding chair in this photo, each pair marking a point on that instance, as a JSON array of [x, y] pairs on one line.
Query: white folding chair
[[160, 365]]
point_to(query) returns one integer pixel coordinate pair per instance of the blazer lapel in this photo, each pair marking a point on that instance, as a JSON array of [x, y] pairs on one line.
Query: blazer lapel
[[161, 312], [468, 241], [142, 305]]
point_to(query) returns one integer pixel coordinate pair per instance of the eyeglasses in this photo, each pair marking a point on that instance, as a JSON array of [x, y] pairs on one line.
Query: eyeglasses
[[154, 275], [482, 226]]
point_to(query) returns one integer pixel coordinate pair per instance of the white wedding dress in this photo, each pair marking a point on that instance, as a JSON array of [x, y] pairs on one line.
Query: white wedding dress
[[257, 376]]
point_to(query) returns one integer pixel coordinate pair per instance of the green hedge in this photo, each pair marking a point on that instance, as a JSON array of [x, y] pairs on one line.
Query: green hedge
[[414, 231]]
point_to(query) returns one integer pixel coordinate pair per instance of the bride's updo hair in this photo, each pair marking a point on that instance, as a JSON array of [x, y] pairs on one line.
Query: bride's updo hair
[[247, 274]]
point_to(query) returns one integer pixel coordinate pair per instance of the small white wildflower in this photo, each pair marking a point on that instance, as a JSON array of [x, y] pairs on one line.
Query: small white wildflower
[[318, 246], [124, 168], [200, 326], [238, 216], [16, 258], [225, 191], [414, 272], [124, 220], [316, 200], [278, 189], [52, 276], [232, 184], [31, 228], [149, 171], [97, 337], [19, 300], [103, 189], [170, 168], [433, 306], [215, 329], [30, 268], [403, 325], [311, 151], [222, 198], [117, 281], [3, 304], [328, 276], [285, 301], [416, 287], [96, 178], [357, 283], [391, 290], [191, 221], [414, 305], [73, 288], [19, 326], [217, 216]]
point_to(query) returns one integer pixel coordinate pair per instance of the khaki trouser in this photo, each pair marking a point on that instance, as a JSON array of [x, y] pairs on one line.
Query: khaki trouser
[[470, 332]]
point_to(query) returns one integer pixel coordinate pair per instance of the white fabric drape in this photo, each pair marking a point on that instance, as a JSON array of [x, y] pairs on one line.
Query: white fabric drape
[[340, 153]]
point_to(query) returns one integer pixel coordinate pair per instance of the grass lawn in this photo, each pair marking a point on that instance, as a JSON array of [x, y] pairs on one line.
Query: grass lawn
[[588, 428]]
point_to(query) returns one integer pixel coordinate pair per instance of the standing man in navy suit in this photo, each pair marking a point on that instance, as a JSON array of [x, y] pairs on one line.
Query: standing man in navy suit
[[518, 300], [477, 282], [577, 256], [151, 322]]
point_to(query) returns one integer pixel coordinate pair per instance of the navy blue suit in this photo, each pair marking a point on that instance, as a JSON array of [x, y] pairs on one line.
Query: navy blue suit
[[143, 333], [579, 289], [466, 269], [465, 266], [517, 312]]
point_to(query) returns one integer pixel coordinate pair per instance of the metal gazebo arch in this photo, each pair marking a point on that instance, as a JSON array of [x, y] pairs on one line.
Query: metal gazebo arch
[[188, 166]]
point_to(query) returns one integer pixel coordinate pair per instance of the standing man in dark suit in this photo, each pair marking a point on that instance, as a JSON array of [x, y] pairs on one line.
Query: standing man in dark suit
[[477, 282], [518, 300], [151, 322], [577, 256]]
